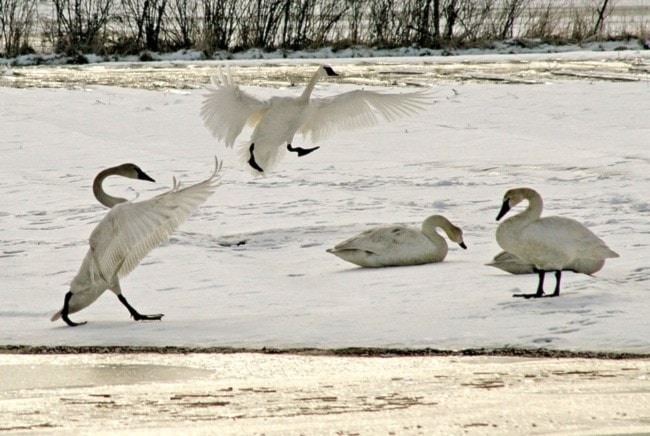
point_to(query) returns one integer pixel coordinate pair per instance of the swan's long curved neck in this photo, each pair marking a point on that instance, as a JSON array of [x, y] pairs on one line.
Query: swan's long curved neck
[[310, 86], [101, 196], [430, 224], [535, 205]]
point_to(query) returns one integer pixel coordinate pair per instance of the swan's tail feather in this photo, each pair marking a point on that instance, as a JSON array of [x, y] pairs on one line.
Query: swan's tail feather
[[608, 253]]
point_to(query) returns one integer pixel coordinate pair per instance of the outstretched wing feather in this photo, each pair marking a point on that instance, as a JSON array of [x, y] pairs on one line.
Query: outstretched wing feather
[[359, 109], [226, 109], [131, 230]]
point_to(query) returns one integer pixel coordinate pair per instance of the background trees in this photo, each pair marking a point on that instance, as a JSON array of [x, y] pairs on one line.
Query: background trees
[[17, 19], [132, 26]]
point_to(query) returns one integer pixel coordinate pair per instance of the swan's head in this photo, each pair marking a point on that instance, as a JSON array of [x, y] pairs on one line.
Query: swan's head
[[454, 233], [132, 171], [326, 70], [513, 197]]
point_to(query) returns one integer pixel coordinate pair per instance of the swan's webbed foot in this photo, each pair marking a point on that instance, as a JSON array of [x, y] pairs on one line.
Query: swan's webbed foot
[[66, 310], [136, 315], [70, 322], [140, 317], [301, 151], [536, 295], [252, 161]]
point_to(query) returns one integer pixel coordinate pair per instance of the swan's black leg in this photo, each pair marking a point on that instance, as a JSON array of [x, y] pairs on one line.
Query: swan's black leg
[[540, 287], [251, 161], [66, 310], [301, 151], [134, 313]]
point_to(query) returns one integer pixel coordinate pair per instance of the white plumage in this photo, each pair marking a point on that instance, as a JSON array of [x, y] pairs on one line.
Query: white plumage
[[128, 232], [549, 244], [508, 262], [398, 245], [227, 109]]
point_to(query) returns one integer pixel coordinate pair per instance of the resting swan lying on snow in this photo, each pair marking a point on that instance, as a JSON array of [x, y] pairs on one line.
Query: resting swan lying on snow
[[398, 245], [227, 109], [508, 262], [550, 244], [128, 232]]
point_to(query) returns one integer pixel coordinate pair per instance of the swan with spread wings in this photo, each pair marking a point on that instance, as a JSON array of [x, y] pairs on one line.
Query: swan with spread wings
[[128, 232], [227, 109]]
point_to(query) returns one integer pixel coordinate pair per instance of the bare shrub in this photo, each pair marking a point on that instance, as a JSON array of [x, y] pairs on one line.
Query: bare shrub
[[183, 29], [474, 19], [426, 19], [569, 20], [220, 18], [310, 23], [80, 25], [390, 23], [450, 13], [507, 17], [259, 27], [356, 19], [581, 25], [541, 21], [602, 11], [143, 20], [16, 23], [134, 26]]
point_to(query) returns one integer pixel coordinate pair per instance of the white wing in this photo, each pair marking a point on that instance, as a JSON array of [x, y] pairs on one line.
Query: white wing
[[131, 230], [554, 239], [227, 109], [382, 240], [358, 109]]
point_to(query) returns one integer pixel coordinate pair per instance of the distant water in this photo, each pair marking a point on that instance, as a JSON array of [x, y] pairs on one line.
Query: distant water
[[423, 71]]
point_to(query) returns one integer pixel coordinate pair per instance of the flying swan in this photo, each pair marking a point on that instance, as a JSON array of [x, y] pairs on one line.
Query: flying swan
[[549, 244], [128, 232], [398, 245], [227, 109]]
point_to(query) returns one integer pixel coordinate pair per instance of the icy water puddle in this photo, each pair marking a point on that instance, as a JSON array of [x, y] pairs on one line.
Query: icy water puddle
[[253, 393], [46, 376]]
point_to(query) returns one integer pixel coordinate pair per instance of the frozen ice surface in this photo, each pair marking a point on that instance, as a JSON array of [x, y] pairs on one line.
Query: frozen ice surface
[[583, 144]]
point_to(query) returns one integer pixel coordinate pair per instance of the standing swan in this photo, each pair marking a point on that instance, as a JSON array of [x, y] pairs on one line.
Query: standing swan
[[550, 244], [128, 232], [227, 109], [398, 245]]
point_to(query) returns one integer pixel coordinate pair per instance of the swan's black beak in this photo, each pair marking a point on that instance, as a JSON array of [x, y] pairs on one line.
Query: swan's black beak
[[505, 207], [143, 176], [463, 246], [330, 71]]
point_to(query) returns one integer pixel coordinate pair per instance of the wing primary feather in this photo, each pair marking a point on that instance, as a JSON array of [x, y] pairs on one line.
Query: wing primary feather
[[131, 230], [360, 109], [226, 109]]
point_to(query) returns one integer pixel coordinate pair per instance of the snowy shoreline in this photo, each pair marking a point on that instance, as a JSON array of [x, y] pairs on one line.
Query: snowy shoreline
[[360, 352], [518, 47]]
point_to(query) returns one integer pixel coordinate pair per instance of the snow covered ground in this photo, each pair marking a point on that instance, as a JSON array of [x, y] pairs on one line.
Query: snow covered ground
[[582, 144]]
